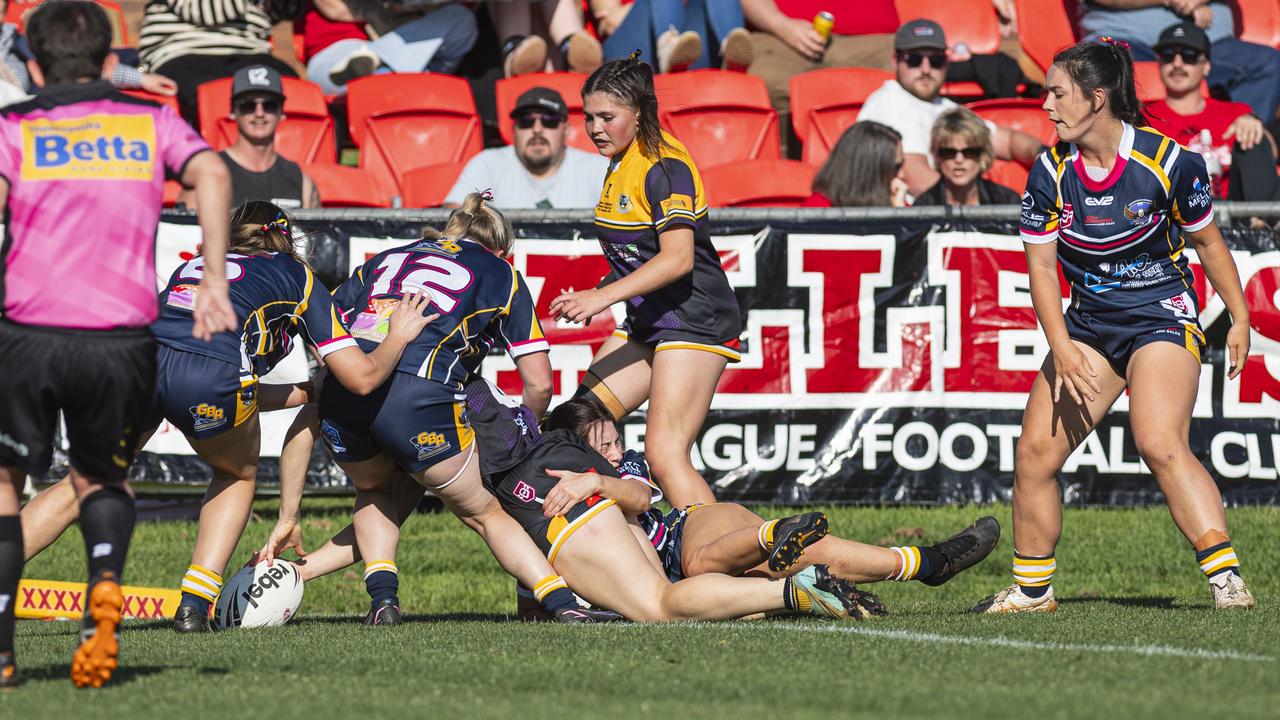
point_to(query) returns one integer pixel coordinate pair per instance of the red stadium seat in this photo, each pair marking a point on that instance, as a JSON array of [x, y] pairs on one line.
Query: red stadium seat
[[409, 120], [1044, 28], [160, 99], [720, 116], [343, 186], [304, 136], [759, 183], [972, 22], [1009, 173], [568, 84], [426, 187], [172, 189], [824, 103], [1258, 21], [1022, 114]]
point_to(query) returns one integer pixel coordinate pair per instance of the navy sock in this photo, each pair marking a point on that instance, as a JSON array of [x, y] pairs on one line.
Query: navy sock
[[10, 572], [382, 585], [106, 520], [195, 601]]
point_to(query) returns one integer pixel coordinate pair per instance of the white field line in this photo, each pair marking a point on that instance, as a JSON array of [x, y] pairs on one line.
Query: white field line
[[1003, 642]]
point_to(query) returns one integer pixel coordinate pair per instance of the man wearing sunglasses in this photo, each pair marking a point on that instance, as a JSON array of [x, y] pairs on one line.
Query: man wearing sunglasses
[[1226, 132], [257, 171], [537, 170], [911, 102]]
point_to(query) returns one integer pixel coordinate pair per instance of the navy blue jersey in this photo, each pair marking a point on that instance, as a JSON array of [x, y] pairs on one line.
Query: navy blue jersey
[[1120, 239], [483, 302], [274, 296]]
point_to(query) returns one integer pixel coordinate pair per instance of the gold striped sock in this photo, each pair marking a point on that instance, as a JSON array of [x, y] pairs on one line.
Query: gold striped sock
[[1030, 571], [908, 563], [379, 566], [765, 535], [202, 582], [548, 585], [1218, 559]]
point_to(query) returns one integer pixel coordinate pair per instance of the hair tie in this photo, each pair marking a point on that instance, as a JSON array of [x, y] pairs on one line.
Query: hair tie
[[487, 194], [635, 55], [281, 223], [1108, 40]]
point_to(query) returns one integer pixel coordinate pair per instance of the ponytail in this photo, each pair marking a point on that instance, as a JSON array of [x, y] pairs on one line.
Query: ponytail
[[477, 220], [259, 227]]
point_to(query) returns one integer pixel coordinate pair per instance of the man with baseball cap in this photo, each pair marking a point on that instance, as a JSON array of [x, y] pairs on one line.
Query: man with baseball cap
[[911, 102], [257, 171], [538, 170], [1227, 133]]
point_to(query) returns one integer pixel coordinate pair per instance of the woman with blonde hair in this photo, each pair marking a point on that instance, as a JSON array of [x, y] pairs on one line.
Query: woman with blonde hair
[[962, 153]]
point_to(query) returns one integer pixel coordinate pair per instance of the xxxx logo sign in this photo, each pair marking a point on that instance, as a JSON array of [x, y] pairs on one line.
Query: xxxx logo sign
[[46, 599]]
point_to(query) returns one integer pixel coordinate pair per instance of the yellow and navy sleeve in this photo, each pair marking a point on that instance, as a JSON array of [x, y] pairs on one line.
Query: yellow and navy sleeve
[[521, 331], [1189, 190], [349, 294], [319, 321], [671, 191], [1041, 204]]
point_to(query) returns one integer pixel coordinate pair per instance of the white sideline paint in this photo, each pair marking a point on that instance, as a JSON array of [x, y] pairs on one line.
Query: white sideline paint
[[971, 640]]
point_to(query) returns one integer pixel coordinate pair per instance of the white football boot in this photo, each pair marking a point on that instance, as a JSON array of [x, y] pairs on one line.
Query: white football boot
[[1229, 592], [1011, 600]]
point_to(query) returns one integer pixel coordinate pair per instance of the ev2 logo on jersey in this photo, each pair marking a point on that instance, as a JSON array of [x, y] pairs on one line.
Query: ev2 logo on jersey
[[1103, 201]]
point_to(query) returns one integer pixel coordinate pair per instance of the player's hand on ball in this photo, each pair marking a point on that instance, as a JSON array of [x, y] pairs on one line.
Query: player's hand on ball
[[408, 320], [579, 306], [1237, 347], [1073, 371], [286, 535], [573, 488]]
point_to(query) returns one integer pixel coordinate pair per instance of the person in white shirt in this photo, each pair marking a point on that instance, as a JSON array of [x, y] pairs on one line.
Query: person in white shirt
[[538, 170], [911, 103]]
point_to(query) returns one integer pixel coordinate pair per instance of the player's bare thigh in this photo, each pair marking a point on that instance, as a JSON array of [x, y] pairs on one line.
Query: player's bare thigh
[[624, 367]]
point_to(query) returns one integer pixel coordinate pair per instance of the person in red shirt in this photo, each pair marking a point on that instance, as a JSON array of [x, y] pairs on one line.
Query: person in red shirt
[[1229, 137]]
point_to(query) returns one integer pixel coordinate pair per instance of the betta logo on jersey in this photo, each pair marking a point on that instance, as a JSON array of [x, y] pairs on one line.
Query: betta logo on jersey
[[96, 147], [429, 443], [206, 416]]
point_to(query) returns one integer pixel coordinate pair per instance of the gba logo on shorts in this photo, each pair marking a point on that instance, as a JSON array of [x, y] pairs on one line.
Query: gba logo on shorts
[[207, 417], [96, 147], [429, 443]]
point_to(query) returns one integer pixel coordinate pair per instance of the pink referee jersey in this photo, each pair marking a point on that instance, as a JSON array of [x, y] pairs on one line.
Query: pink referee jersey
[[86, 168]]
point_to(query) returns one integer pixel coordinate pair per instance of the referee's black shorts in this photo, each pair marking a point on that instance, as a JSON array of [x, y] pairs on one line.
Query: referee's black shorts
[[101, 380]]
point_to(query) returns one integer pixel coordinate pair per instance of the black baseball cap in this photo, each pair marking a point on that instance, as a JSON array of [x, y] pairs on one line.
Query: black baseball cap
[[1184, 34], [920, 35], [256, 79], [541, 98]]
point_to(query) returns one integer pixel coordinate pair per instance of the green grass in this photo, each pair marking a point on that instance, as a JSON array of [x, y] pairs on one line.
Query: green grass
[[1129, 584]]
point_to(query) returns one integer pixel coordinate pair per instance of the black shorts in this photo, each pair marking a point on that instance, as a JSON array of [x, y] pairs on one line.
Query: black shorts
[[521, 489], [725, 346], [201, 396], [1118, 334], [101, 380]]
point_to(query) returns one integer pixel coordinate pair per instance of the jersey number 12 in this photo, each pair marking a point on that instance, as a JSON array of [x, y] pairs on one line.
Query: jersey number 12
[[440, 278]]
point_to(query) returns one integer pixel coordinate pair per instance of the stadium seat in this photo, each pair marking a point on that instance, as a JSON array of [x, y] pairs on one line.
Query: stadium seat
[[720, 116], [409, 120], [426, 187], [759, 183], [1146, 79], [161, 99], [172, 189], [1258, 21], [972, 22], [343, 186], [1024, 114], [1044, 28], [305, 135], [824, 103], [568, 84]]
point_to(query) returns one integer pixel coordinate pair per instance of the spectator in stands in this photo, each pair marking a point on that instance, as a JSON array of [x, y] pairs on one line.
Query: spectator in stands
[[195, 41], [1231, 138], [864, 170], [257, 171], [911, 103], [524, 51], [961, 147], [338, 50], [15, 80], [675, 35], [1247, 72], [539, 170]]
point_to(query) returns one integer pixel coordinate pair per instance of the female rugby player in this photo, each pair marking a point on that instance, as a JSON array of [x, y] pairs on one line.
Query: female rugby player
[[1114, 204], [210, 391], [683, 319]]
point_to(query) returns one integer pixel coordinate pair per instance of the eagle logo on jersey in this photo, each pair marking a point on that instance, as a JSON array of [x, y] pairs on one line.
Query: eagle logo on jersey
[[624, 203], [1139, 212], [429, 443]]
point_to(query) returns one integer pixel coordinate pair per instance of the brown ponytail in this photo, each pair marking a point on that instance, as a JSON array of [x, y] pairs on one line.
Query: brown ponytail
[[259, 227]]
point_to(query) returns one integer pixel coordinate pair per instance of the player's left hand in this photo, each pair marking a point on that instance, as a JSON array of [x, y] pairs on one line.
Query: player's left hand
[[579, 306], [1237, 348], [159, 85], [286, 535], [1247, 130], [573, 488], [213, 313]]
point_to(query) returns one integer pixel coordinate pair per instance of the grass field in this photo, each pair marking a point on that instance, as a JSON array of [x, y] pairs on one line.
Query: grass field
[[1135, 637]]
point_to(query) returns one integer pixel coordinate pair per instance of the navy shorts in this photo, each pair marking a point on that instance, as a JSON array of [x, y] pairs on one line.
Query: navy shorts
[[670, 554], [1118, 334], [415, 421], [101, 380], [201, 396]]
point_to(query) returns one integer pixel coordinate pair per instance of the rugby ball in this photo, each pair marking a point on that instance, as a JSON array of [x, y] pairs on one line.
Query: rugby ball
[[259, 596]]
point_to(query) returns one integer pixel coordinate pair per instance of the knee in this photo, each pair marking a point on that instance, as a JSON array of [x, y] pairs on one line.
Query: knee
[[1035, 454], [1158, 451]]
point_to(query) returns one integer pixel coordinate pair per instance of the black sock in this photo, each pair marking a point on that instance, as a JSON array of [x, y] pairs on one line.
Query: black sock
[[106, 521], [10, 573], [931, 561]]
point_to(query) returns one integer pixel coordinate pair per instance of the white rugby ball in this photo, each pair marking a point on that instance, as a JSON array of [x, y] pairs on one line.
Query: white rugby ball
[[259, 596]]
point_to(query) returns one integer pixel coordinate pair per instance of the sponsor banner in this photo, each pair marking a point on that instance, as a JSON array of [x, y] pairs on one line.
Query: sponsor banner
[[50, 599], [881, 361]]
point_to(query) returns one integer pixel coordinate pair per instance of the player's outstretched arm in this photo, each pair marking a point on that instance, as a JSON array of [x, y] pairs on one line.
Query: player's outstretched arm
[[1221, 270], [207, 173]]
